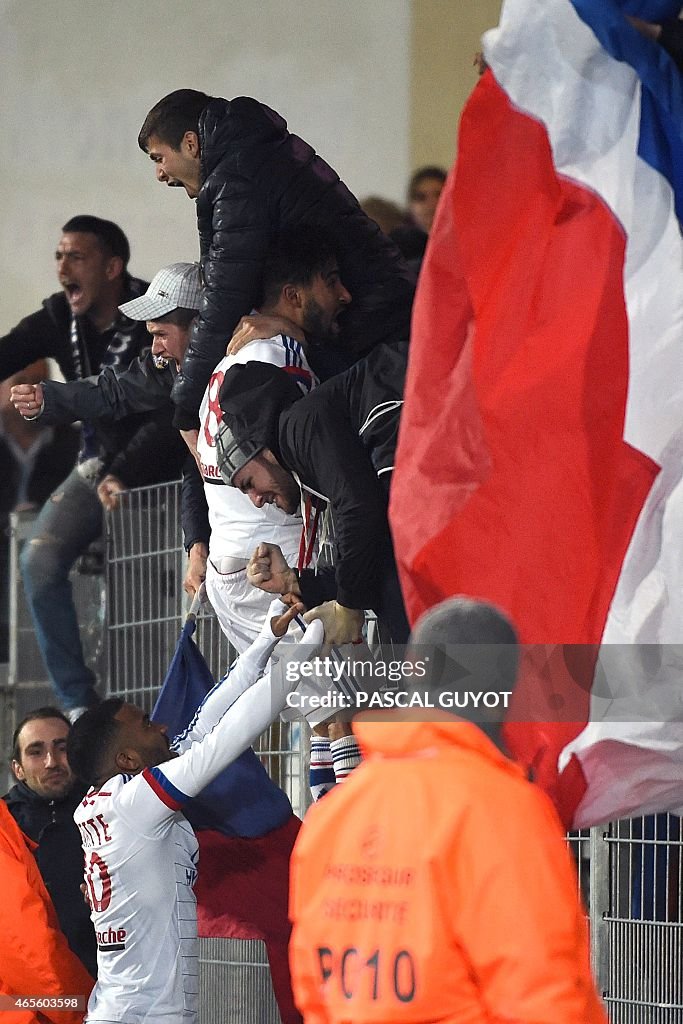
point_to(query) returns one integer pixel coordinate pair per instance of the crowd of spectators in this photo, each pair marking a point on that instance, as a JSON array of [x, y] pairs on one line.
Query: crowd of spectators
[[83, 330], [409, 227], [274, 383]]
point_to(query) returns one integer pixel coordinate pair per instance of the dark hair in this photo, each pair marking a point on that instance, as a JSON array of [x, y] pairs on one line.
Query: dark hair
[[172, 116], [384, 212], [180, 316], [109, 235], [34, 716], [422, 174], [298, 254], [91, 736]]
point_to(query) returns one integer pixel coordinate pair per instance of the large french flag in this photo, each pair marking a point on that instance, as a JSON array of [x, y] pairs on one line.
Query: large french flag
[[540, 460]]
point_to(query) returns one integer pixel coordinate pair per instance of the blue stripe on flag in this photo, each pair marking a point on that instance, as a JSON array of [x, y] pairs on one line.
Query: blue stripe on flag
[[661, 115]]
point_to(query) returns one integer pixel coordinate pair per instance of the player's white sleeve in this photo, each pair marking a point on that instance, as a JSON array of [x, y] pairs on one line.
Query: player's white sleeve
[[242, 674], [175, 781]]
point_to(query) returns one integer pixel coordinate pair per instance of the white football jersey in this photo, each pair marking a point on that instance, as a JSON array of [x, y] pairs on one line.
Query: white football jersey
[[141, 854], [237, 526], [140, 866]]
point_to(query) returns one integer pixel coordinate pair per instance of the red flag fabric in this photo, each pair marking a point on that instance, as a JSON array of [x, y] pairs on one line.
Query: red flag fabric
[[540, 461], [511, 460], [243, 892], [513, 480]]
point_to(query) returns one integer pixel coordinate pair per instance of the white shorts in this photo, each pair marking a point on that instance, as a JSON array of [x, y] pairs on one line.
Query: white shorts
[[240, 608]]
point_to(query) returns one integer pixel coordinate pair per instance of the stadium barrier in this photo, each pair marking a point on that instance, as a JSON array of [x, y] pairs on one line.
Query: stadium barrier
[[630, 872]]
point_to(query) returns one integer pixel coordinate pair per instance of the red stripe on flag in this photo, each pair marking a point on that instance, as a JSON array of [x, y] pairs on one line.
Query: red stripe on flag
[[513, 482], [243, 892]]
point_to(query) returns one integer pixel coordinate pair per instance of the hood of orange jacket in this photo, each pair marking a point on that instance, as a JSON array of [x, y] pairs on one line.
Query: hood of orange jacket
[[414, 731]]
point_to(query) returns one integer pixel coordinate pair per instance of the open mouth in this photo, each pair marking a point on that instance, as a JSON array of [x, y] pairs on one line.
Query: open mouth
[[73, 291]]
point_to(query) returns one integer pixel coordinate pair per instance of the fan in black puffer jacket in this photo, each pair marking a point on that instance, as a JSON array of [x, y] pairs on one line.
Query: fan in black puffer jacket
[[50, 824], [257, 178]]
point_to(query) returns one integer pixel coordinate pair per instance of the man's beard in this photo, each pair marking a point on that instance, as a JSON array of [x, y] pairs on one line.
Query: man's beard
[[289, 492], [317, 324]]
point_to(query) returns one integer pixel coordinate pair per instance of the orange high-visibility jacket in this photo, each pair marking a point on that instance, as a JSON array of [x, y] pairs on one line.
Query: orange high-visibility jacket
[[435, 886], [35, 959]]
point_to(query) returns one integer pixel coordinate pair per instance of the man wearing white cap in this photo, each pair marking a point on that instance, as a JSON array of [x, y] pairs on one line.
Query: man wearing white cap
[[300, 283], [168, 307]]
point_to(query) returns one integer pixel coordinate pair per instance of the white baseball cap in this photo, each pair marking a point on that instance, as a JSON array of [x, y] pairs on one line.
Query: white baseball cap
[[175, 287]]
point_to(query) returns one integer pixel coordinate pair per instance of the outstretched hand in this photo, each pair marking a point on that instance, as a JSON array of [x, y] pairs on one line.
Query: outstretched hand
[[109, 490], [280, 623], [342, 625]]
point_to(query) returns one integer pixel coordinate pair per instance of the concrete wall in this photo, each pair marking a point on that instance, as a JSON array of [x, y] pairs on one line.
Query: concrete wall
[[78, 77], [375, 86], [445, 36]]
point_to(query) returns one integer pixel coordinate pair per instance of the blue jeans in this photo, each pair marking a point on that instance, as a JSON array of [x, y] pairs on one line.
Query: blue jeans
[[70, 520]]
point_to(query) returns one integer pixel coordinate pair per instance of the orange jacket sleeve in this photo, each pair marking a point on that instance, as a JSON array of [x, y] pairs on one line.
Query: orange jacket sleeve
[[520, 923], [36, 959], [305, 875]]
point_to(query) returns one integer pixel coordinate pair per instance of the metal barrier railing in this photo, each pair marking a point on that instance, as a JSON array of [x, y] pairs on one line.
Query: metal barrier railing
[[624, 868], [643, 922], [145, 567], [630, 872], [24, 685]]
